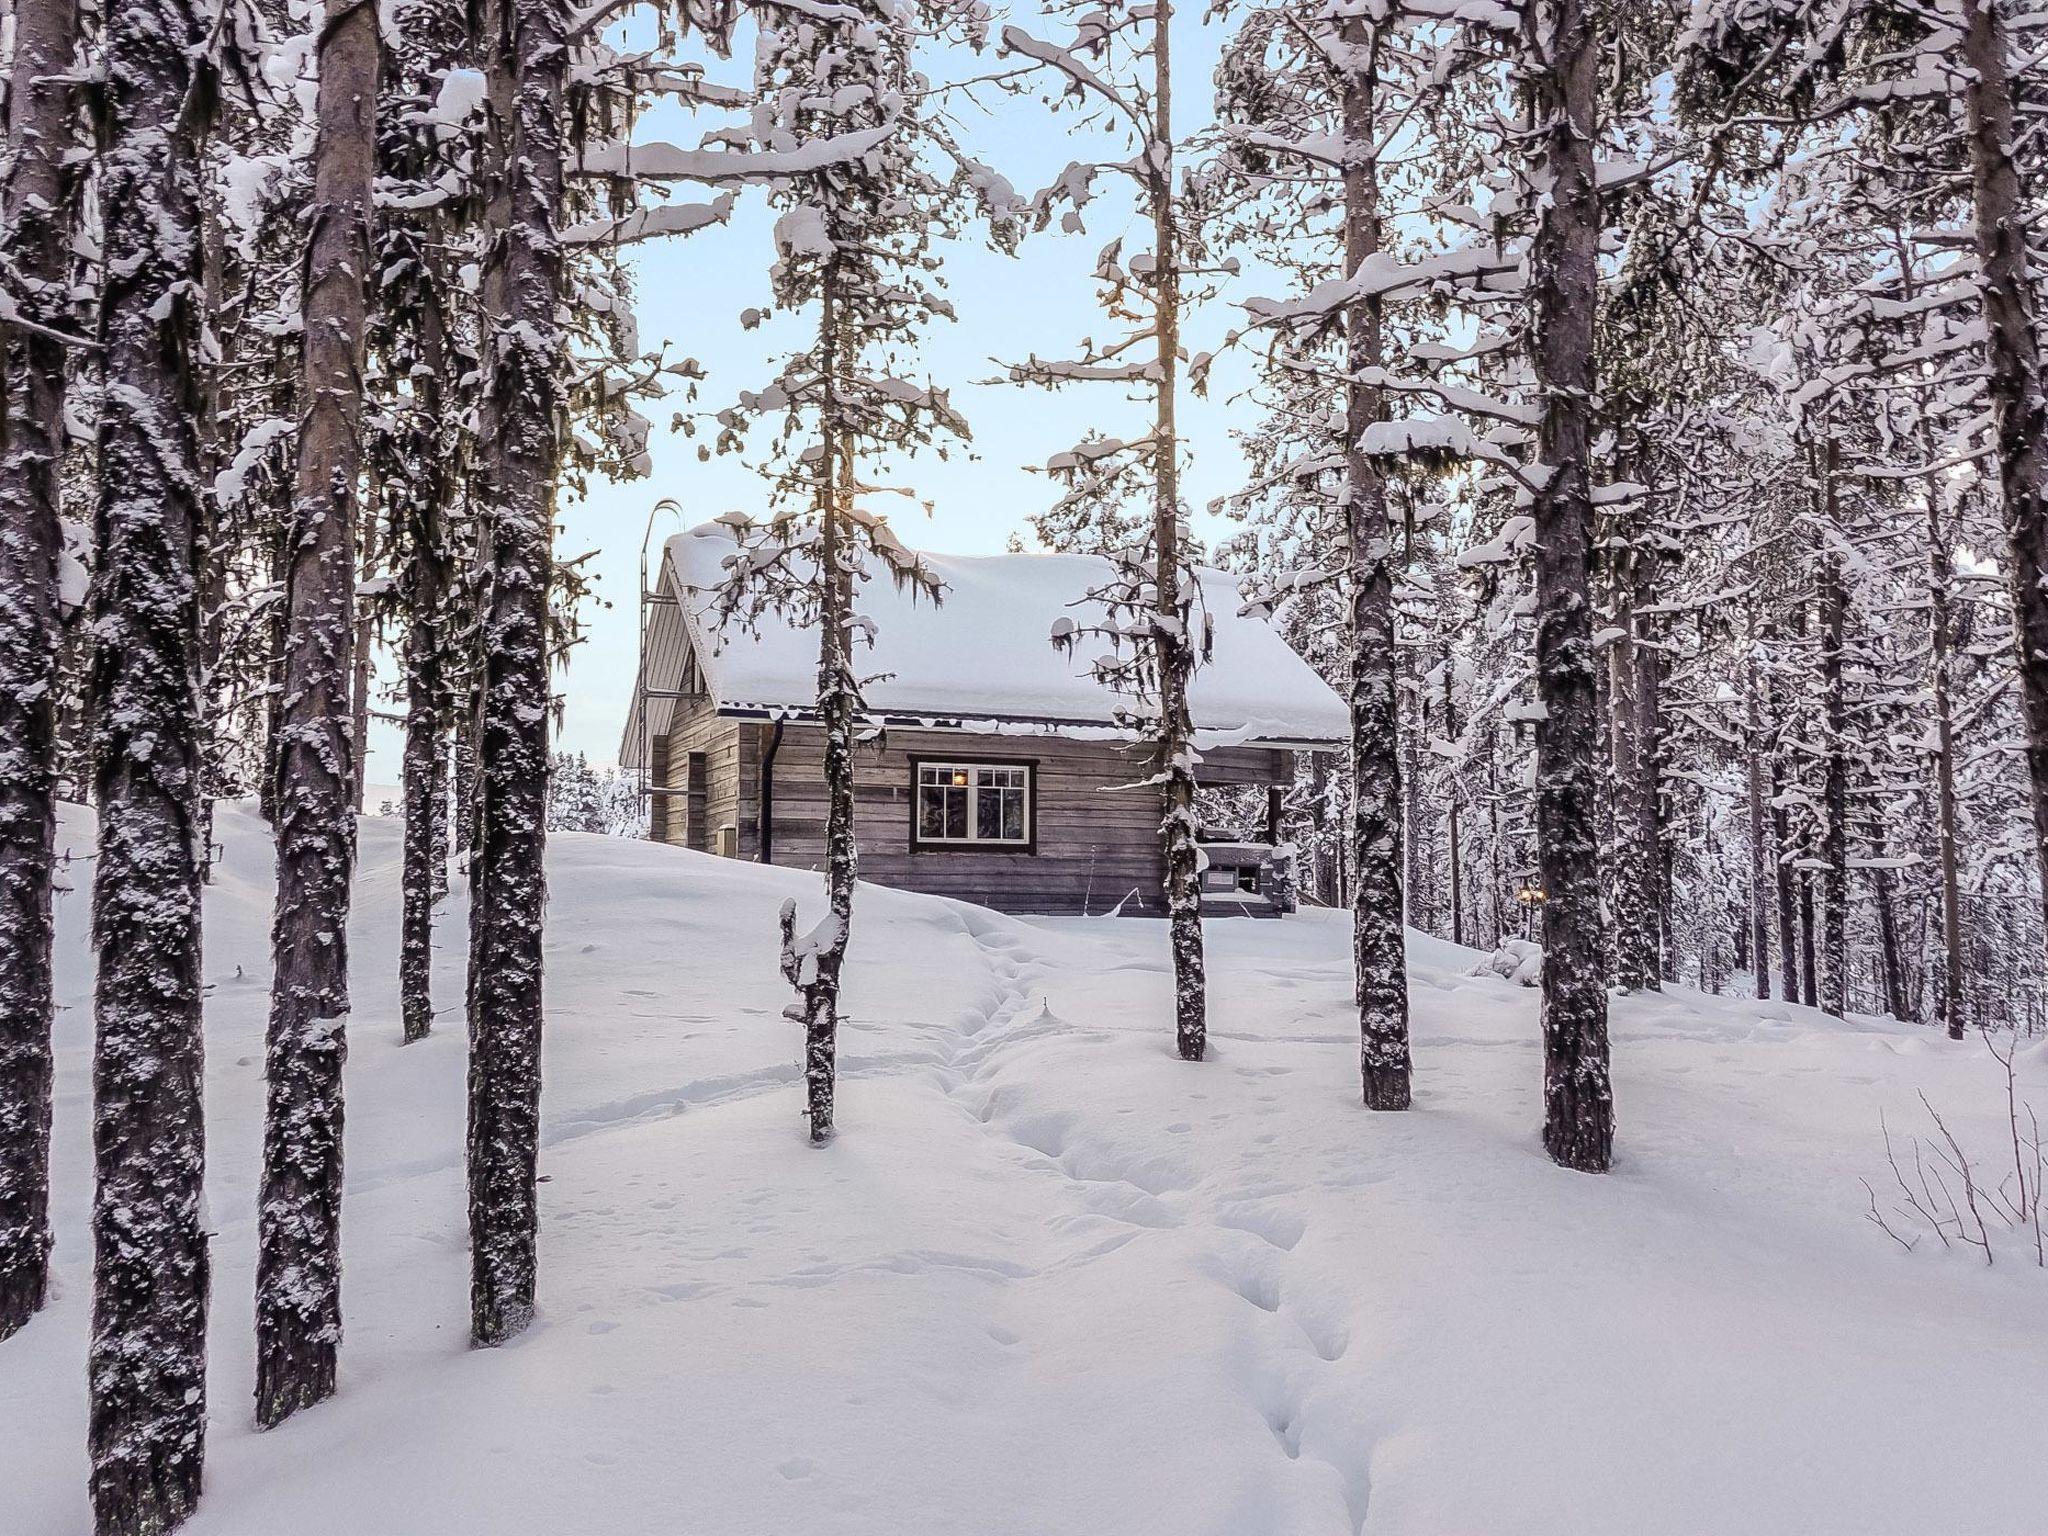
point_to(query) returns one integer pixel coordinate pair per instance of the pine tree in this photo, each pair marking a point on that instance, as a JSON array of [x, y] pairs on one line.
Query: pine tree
[[298, 1266], [525, 61], [147, 1360], [1301, 92], [853, 243], [35, 239], [421, 335], [1151, 599], [1561, 68]]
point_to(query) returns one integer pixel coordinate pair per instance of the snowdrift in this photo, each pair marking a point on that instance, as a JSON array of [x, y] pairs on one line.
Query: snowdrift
[[1050, 1279]]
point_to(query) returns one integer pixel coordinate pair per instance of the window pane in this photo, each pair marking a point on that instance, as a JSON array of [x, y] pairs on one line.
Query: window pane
[[956, 812], [988, 813], [1013, 815], [931, 812]]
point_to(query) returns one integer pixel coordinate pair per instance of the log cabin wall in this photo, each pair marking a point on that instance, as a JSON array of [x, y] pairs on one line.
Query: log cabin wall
[[699, 738], [1095, 842]]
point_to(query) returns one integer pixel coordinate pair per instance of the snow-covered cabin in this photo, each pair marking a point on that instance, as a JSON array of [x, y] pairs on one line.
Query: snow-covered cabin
[[994, 769]]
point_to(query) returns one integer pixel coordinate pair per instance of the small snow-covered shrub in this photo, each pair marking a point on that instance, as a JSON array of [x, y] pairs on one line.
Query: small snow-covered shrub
[[1517, 960]]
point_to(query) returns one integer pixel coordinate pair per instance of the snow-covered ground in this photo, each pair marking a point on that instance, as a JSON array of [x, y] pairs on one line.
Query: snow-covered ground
[[1050, 1280]]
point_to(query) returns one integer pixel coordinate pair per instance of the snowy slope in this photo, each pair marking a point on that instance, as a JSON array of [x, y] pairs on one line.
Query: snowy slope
[[1052, 1280]]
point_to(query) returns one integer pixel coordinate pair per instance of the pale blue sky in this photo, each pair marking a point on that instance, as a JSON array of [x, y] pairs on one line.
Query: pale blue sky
[[693, 290]]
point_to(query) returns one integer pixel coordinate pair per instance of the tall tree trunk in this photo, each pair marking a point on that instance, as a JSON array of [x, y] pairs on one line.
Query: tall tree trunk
[[1892, 967], [463, 767], [1654, 848], [362, 677], [35, 240], [522, 292], [1632, 872], [1809, 968], [815, 972], [1451, 808], [426, 688], [1578, 1094], [1172, 629], [298, 1254], [1834, 849], [1788, 881], [2019, 396], [426, 782], [151, 1272], [1379, 946], [1759, 828], [1941, 648]]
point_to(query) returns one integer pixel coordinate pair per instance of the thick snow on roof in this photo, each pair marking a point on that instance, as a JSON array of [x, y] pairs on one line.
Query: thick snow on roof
[[984, 653]]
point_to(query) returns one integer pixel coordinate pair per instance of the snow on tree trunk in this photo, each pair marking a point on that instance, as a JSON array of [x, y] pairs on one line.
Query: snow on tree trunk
[[1941, 648], [1834, 843], [1788, 897], [147, 1358], [2019, 394], [1379, 951], [1759, 826], [298, 1255], [1632, 875], [1578, 1095], [818, 972], [426, 682], [1171, 632], [522, 291], [35, 239], [425, 770]]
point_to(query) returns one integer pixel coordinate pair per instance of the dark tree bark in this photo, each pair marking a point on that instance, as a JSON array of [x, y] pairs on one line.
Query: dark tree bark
[[1892, 968], [35, 248], [814, 966], [151, 1273], [1809, 968], [525, 61], [362, 675], [1759, 828], [1632, 875], [430, 494], [1379, 944], [1561, 73], [298, 1256], [425, 767], [1834, 847], [1783, 854], [2019, 396], [1941, 649], [1452, 810], [1172, 637], [462, 770]]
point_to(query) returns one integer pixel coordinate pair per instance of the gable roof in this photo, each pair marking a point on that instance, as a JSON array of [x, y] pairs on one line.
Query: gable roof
[[981, 659]]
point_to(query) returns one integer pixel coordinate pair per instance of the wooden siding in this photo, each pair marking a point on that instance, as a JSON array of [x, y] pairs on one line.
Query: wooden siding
[[1095, 843], [693, 729]]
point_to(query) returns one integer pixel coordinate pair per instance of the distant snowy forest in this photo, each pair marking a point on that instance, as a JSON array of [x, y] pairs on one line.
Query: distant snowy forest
[[1646, 422]]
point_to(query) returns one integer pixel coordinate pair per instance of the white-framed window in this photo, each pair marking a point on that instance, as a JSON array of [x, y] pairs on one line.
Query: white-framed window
[[973, 805]]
